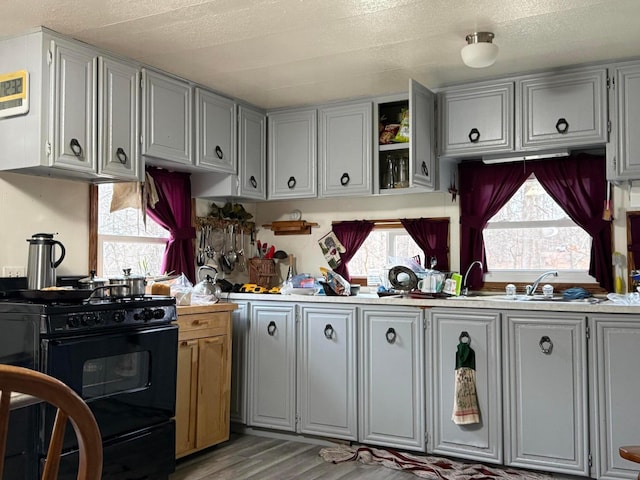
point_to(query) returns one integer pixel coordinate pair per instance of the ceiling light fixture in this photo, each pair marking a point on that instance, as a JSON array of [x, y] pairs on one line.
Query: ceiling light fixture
[[479, 52]]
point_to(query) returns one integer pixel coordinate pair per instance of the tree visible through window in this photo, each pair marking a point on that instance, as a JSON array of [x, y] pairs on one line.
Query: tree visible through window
[[125, 242], [532, 232]]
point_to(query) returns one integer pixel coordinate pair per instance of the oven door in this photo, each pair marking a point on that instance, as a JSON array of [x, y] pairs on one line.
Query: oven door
[[127, 378]]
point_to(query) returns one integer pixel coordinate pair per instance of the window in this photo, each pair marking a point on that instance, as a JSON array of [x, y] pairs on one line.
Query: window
[[124, 242], [531, 234], [372, 259]]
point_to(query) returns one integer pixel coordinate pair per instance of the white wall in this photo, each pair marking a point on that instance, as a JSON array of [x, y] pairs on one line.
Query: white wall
[[29, 205]]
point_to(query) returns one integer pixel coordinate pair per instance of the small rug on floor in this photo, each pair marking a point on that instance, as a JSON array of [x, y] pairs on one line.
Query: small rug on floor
[[424, 466]]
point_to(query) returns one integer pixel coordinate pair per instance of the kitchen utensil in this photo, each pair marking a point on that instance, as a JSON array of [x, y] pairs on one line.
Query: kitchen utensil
[[432, 282], [259, 249], [41, 266], [208, 285], [200, 257], [136, 284], [433, 262], [59, 295], [607, 213], [270, 252], [241, 264], [92, 282], [280, 254], [231, 254], [618, 262]]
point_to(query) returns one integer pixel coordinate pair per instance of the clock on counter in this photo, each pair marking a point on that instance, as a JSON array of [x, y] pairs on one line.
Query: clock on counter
[[14, 93]]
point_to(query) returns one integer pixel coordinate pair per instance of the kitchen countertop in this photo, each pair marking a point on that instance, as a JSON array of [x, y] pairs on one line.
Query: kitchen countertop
[[486, 301]]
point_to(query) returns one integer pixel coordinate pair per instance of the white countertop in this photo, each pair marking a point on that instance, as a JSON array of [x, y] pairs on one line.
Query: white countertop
[[496, 302]]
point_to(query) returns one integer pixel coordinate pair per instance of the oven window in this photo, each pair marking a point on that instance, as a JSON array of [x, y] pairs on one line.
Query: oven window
[[106, 376]]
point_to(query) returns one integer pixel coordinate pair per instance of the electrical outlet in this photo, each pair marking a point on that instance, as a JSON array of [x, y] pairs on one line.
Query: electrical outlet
[[13, 271]]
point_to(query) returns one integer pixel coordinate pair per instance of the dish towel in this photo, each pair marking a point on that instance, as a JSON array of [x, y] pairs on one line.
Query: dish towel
[[135, 195], [465, 401]]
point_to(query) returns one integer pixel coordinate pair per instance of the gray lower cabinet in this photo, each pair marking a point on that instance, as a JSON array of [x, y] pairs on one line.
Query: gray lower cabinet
[[615, 380], [447, 328], [623, 152], [215, 129], [272, 366], [166, 119], [327, 379], [292, 154], [545, 391], [563, 109], [391, 385], [239, 352], [344, 147]]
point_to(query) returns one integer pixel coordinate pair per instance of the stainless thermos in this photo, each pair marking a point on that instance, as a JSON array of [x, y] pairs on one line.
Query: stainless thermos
[[41, 266]]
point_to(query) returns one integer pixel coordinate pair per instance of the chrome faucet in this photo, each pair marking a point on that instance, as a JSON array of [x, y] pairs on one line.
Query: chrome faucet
[[531, 289], [465, 287]]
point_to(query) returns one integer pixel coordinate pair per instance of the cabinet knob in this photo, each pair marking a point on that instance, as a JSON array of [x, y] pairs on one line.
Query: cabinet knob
[[546, 345], [328, 331], [474, 135], [391, 335], [291, 183], [218, 152], [121, 155], [562, 125], [425, 170], [75, 147], [344, 179], [253, 181], [464, 338], [271, 328]]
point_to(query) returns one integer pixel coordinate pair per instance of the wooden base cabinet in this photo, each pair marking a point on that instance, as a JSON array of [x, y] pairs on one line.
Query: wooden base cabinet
[[204, 378], [545, 391], [447, 328]]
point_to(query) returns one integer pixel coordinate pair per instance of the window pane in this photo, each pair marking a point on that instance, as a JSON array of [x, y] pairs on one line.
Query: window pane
[[141, 258]]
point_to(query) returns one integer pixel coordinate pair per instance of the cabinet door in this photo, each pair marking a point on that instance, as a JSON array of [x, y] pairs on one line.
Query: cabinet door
[[391, 387], [272, 363], [214, 358], [345, 140], [327, 372], [616, 382], [186, 395], [252, 141], [482, 441], [624, 161], [215, 132], [292, 154], [118, 138], [422, 123], [166, 119], [74, 108], [562, 110], [476, 120], [545, 368], [240, 318]]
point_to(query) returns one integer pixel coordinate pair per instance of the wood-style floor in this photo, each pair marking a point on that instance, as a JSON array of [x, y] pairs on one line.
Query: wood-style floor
[[252, 457]]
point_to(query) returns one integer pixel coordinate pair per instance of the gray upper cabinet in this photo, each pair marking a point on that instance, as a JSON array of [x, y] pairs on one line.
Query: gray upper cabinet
[[292, 154], [252, 153], [481, 328], [545, 392], [345, 142], [422, 153], [476, 120], [623, 151], [167, 119], [74, 122], [563, 109], [215, 126], [615, 378], [119, 119]]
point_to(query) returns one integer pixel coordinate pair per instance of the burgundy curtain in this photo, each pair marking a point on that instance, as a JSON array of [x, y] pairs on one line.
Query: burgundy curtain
[[432, 236], [173, 212], [579, 186], [352, 235], [577, 183], [484, 189]]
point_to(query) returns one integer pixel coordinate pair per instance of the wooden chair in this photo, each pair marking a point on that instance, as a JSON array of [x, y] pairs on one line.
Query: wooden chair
[[632, 454], [18, 380]]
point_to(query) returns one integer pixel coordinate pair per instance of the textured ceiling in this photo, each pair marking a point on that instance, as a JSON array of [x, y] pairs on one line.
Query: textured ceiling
[[275, 53]]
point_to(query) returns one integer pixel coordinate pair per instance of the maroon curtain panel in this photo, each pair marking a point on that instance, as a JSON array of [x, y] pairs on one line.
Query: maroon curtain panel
[[634, 246], [352, 235], [432, 236], [577, 184], [173, 212]]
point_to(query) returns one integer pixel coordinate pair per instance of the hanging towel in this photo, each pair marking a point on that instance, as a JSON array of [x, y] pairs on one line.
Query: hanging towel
[[465, 401]]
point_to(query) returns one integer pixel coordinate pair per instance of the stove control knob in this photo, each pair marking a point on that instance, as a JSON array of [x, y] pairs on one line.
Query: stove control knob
[[147, 314], [118, 317], [88, 319], [99, 319], [158, 314], [73, 321]]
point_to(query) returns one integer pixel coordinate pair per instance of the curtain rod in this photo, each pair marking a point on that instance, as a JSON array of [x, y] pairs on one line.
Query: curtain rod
[[392, 220]]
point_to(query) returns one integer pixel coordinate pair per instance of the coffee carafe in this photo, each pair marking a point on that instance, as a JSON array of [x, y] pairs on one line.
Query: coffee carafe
[[41, 266]]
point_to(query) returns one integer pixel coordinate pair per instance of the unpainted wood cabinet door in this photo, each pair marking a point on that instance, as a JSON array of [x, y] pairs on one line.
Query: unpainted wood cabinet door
[[545, 392], [186, 396], [327, 377], [481, 329]]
